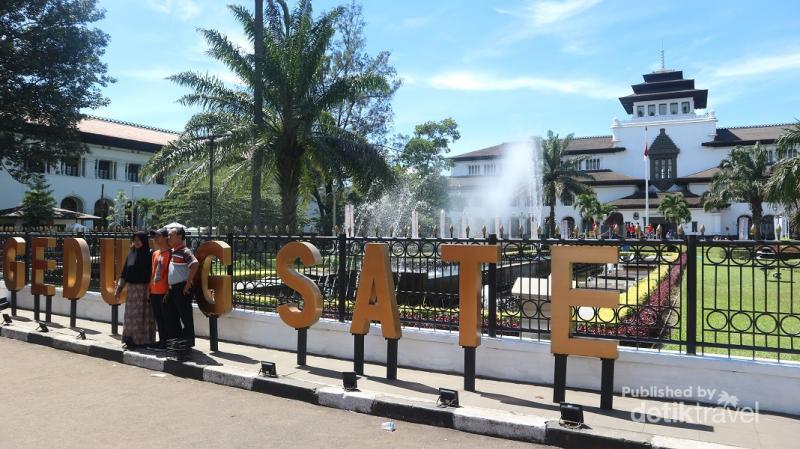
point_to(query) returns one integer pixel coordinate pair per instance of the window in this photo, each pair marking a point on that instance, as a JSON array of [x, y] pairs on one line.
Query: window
[[474, 170], [70, 168], [663, 168], [651, 110], [770, 156], [673, 108], [160, 179], [685, 107], [640, 111], [489, 169], [133, 173], [694, 226], [103, 169], [592, 164], [662, 109], [792, 152]]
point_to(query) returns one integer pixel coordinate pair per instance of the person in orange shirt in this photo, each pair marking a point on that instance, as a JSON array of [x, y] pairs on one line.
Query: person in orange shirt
[[159, 283]]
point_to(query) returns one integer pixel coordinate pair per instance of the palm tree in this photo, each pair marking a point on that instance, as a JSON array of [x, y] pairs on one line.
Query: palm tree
[[297, 132], [743, 177], [561, 178], [785, 177], [587, 204], [675, 209]]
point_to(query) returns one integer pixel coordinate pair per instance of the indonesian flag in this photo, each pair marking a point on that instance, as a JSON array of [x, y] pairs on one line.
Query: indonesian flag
[[645, 142]]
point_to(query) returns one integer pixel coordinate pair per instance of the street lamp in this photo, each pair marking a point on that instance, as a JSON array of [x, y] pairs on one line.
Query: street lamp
[[133, 204], [211, 140]]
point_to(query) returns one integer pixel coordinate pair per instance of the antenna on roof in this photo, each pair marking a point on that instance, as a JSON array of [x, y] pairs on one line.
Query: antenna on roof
[[663, 65]]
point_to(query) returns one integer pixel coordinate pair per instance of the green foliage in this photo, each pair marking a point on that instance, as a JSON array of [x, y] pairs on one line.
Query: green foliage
[[368, 115], [675, 209], [425, 151], [591, 208], [561, 178], [782, 187], [50, 69], [189, 206], [38, 204], [298, 132], [743, 178]]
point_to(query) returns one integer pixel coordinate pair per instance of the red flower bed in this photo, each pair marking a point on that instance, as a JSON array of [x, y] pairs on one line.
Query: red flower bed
[[646, 321]]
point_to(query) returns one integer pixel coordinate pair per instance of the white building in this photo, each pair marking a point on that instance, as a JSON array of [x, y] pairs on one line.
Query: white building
[[117, 152], [685, 149]]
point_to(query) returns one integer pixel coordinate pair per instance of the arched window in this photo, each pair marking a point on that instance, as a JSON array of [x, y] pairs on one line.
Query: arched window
[[102, 206], [72, 203]]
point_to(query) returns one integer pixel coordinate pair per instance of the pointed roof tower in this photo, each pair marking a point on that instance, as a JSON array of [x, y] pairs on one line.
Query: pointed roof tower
[[664, 85]]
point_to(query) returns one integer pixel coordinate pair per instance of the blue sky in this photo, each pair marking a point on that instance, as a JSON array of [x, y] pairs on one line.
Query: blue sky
[[503, 69]]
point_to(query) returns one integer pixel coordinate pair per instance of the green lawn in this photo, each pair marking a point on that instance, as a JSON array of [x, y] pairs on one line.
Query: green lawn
[[738, 304]]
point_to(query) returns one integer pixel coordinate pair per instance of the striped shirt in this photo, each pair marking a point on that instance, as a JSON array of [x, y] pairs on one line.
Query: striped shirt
[[180, 264]]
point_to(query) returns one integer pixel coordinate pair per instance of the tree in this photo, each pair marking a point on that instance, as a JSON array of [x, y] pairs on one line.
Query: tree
[[189, 206], [368, 115], [296, 134], [38, 204], [561, 178], [675, 209], [782, 186], [145, 210], [50, 69], [742, 178]]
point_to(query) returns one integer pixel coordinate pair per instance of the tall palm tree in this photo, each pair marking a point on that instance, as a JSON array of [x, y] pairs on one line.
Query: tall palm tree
[[561, 178], [297, 132], [743, 177], [675, 209], [785, 177]]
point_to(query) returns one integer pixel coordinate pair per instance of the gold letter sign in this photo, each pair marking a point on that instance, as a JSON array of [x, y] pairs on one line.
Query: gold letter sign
[[113, 254], [220, 302], [565, 297], [77, 267], [375, 297], [40, 265], [470, 258], [312, 297], [14, 270]]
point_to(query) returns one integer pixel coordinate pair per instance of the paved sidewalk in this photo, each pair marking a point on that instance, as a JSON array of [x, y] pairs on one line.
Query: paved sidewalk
[[696, 422]]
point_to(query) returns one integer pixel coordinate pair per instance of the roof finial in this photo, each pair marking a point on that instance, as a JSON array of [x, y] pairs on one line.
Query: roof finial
[[663, 65]]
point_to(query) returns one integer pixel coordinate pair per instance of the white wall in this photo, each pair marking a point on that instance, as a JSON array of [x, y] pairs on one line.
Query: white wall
[[512, 359], [87, 188]]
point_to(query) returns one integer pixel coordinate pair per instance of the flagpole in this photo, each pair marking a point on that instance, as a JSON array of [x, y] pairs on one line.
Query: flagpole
[[646, 184]]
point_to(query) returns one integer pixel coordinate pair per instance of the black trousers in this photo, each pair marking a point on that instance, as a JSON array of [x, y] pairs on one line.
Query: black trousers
[[160, 315], [179, 315]]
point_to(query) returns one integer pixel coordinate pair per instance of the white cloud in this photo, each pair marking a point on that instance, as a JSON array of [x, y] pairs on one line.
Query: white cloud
[[550, 11], [412, 23], [182, 9], [471, 81], [758, 66]]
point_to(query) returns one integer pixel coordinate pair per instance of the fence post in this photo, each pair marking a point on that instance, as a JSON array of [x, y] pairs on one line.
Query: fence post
[[492, 281], [342, 275], [232, 244], [27, 258], [691, 295]]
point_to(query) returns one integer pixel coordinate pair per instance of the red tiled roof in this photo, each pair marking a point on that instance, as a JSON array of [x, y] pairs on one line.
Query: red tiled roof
[[747, 135], [103, 131], [578, 145]]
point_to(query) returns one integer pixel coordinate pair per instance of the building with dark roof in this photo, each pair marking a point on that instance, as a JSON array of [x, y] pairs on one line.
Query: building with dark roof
[[667, 113], [117, 152]]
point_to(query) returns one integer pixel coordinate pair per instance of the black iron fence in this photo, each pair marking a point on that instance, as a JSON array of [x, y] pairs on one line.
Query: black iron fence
[[735, 298]]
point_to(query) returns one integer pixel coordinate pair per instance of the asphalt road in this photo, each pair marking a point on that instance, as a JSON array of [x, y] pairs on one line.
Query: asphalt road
[[53, 398]]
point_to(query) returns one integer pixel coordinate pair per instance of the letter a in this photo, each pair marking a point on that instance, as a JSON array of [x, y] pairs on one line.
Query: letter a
[[375, 298]]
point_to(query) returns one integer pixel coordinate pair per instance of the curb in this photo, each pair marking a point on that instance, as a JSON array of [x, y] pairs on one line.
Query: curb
[[495, 423]]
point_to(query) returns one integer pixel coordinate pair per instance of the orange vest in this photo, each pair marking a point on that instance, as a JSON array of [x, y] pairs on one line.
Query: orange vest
[[162, 286]]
